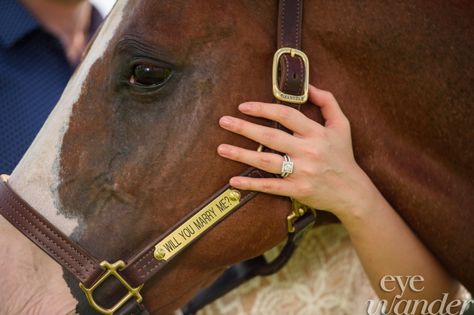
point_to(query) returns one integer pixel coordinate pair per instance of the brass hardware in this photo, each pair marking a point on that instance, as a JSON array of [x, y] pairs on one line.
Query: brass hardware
[[159, 253], [234, 195], [111, 271], [290, 98], [298, 211], [199, 223]]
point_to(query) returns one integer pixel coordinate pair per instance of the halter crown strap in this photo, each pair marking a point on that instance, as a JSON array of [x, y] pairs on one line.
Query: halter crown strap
[[290, 84], [292, 68]]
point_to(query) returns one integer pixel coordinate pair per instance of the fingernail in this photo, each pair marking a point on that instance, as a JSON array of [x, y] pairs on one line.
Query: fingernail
[[223, 149], [235, 182], [245, 107], [225, 121]]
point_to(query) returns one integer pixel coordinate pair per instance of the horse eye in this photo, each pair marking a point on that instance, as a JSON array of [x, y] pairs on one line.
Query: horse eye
[[149, 75]]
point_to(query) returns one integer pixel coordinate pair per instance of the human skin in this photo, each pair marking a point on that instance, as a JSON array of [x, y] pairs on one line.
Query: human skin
[[327, 177], [68, 20]]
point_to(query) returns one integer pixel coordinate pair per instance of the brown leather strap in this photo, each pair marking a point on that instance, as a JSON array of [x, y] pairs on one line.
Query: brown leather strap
[[290, 22], [292, 78], [132, 308], [77, 260], [144, 265], [40, 231]]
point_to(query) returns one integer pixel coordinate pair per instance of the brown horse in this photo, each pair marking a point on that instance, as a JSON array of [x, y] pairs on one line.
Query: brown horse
[[126, 154]]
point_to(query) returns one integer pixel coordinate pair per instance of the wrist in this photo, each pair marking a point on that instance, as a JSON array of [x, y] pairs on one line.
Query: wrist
[[365, 198]]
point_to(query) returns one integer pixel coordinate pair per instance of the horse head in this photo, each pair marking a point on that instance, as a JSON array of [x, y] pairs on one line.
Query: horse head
[[138, 149], [131, 147]]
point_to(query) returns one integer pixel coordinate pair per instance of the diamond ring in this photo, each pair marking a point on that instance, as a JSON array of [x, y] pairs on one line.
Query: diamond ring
[[287, 166]]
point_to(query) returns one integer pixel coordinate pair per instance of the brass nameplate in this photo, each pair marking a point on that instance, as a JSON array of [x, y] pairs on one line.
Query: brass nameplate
[[199, 223]]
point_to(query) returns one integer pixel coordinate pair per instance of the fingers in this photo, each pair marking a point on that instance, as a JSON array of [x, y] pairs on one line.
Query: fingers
[[294, 119], [285, 115], [268, 162], [330, 109], [272, 186], [310, 137], [269, 137]]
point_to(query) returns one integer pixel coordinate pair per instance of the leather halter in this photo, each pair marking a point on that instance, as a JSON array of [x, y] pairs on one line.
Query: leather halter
[[291, 89]]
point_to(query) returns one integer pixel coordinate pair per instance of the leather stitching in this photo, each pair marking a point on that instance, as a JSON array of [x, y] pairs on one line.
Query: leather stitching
[[148, 253], [33, 236], [301, 83], [282, 30], [143, 272], [40, 221], [298, 24], [287, 72]]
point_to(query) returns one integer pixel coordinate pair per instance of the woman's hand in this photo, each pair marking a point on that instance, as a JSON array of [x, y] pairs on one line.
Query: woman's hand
[[325, 176]]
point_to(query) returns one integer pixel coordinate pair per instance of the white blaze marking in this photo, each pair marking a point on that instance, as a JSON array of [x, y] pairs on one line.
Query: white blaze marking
[[36, 177]]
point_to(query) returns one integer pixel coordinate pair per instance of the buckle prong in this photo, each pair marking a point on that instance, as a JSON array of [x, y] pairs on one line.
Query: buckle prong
[[285, 97], [111, 270]]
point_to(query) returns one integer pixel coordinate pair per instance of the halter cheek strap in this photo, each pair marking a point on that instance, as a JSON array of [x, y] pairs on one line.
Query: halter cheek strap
[[290, 87], [290, 77]]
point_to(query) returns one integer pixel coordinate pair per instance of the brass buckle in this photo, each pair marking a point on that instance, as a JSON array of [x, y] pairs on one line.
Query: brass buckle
[[299, 210], [290, 98], [111, 271]]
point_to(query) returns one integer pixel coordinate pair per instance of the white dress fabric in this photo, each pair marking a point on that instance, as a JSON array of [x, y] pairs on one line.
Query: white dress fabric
[[324, 277]]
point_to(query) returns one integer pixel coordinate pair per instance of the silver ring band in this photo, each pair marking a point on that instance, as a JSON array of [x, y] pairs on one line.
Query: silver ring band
[[287, 166]]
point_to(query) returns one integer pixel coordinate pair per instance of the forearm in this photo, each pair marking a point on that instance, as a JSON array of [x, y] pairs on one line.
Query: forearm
[[387, 246], [327, 177]]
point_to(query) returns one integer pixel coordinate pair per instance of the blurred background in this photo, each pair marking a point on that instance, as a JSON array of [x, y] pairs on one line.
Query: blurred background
[[104, 6]]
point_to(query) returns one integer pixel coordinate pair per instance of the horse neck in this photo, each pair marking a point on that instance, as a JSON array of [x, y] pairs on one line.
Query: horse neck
[[36, 178]]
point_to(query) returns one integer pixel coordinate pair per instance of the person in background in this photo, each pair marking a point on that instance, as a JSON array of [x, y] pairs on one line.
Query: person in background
[[41, 43]]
